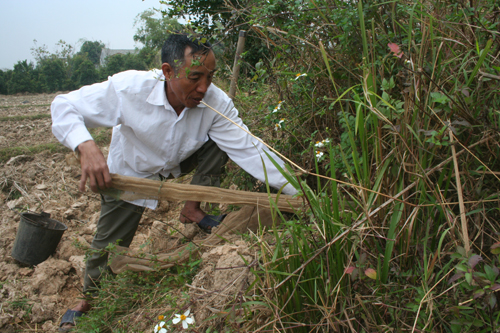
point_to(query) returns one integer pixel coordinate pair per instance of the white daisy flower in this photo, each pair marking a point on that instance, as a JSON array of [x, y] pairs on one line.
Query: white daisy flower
[[162, 327], [184, 319], [278, 125], [319, 154], [321, 144], [276, 109], [299, 75]]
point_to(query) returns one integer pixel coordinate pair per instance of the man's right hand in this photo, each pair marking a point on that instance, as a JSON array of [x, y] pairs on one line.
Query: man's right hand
[[94, 167]]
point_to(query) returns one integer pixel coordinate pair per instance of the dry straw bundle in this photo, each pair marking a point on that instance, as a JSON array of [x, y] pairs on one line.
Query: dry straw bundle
[[257, 210]]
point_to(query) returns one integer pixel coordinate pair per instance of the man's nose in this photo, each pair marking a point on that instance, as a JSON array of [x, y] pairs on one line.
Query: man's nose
[[203, 86]]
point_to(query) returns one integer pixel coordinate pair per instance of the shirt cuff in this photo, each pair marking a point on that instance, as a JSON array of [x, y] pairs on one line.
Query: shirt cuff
[[289, 190], [77, 136]]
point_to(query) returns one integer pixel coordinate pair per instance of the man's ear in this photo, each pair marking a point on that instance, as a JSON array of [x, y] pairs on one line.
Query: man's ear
[[167, 70]]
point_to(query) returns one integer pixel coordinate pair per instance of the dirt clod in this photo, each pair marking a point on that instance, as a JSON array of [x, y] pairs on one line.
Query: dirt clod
[[50, 276]]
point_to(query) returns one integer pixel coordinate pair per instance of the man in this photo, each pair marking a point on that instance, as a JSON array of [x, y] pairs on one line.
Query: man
[[160, 130]]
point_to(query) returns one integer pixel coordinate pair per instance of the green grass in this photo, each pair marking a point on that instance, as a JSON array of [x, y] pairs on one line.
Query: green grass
[[147, 294], [102, 136], [7, 153], [22, 304], [388, 208], [26, 117], [22, 106]]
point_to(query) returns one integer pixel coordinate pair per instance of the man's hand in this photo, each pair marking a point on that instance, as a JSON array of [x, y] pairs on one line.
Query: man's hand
[[94, 167]]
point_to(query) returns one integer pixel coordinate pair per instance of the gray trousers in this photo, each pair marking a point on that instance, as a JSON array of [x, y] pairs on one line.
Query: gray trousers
[[119, 220]]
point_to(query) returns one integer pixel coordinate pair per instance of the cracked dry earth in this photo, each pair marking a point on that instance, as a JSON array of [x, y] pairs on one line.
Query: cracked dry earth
[[38, 174]]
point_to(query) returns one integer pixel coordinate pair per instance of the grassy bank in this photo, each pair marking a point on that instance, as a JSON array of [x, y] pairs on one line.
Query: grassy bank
[[387, 113]]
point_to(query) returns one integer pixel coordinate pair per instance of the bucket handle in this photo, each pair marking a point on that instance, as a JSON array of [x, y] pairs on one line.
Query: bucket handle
[[42, 214]]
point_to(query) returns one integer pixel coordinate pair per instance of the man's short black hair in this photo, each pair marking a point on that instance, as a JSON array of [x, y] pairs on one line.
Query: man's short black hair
[[174, 47]]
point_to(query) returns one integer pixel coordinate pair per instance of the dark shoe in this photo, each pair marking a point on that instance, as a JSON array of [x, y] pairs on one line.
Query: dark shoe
[[69, 318], [210, 221]]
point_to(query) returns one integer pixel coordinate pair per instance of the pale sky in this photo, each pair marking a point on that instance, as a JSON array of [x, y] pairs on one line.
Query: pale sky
[[48, 21]]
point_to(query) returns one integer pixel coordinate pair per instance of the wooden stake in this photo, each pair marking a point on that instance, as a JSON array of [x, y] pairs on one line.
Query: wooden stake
[[236, 66]]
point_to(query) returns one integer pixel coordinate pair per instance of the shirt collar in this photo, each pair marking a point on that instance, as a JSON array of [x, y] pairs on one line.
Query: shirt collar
[[158, 96]]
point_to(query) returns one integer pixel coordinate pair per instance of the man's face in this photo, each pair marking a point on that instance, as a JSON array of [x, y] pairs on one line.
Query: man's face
[[188, 86]]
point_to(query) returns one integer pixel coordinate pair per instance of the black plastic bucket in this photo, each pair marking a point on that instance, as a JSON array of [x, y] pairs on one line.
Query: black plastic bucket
[[37, 238]]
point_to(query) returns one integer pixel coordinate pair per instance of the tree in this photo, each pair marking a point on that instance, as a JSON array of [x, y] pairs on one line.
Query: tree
[[152, 33], [207, 15], [134, 61], [4, 78], [51, 69], [122, 62], [64, 51], [22, 79], [52, 74], [92, 50], [73, 71], [86, 73], [222, 21]]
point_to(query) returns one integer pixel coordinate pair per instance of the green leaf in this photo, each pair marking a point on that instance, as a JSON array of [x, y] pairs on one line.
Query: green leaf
[[492, 301], [438, 97], [412, 306], [490, 274], [388, 85], [468, 278], [255, 303], [478, 293], [482, 56]]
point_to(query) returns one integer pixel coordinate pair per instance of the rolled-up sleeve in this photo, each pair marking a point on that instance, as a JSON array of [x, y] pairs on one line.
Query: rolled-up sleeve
[[90, 106]]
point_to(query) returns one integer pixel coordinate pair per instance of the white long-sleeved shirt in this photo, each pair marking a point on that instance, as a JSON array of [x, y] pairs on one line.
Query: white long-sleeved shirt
[[149, 138]]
